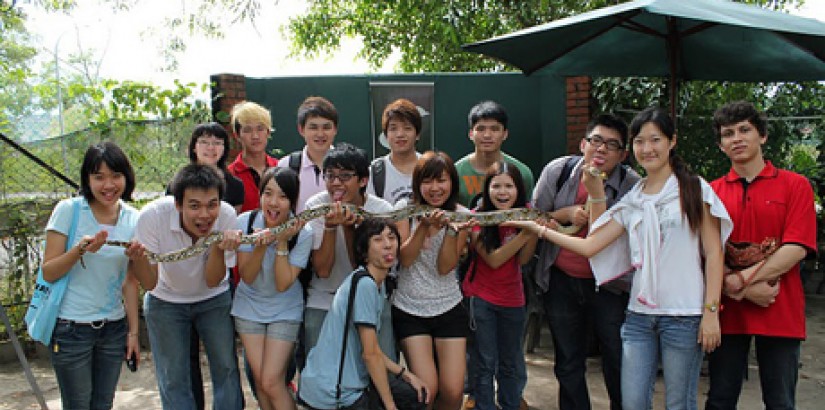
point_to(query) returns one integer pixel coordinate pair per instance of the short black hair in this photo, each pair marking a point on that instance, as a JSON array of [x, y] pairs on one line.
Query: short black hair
[[611, 121], [196, 176], [216, 130], [315, 106], [368, 228], [736, 112], [432, 164], [287, 180], [487, 110], [115, 159], [350, 158]]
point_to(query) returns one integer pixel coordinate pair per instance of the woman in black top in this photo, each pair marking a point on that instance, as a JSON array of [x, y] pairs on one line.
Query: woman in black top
[[209, 145]]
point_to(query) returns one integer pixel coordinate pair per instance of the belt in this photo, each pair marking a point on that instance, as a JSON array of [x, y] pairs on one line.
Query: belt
[[96, 324]]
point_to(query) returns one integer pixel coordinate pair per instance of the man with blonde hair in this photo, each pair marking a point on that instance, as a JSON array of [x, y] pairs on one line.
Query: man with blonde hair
[[252, 126]]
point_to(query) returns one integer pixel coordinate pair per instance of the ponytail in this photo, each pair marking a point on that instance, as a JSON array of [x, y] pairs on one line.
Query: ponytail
[[690, 192]]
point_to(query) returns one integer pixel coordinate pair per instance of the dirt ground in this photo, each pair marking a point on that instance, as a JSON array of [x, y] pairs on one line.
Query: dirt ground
[[139, 390]]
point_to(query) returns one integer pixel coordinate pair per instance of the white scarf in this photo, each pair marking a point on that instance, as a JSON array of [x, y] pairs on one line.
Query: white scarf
[[641, 254]]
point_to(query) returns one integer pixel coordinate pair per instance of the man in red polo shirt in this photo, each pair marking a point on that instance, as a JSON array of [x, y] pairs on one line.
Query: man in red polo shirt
[[251, 125], [764, 302]]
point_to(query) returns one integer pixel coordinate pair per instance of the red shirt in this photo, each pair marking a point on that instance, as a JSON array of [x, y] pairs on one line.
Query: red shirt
[[250, 179], [570, 262], [777, 204], [502, 286]]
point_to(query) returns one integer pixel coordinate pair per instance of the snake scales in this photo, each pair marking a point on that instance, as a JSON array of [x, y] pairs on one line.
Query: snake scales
[[483, 218]]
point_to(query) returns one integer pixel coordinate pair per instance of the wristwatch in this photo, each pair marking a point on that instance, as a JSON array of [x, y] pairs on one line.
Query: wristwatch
[[713, 307]]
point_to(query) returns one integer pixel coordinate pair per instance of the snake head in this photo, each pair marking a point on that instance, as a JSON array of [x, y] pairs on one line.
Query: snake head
[[596, 172]]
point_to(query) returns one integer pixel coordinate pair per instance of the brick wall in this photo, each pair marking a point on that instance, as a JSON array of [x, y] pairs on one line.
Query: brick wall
[[227, 90], [578, 110]]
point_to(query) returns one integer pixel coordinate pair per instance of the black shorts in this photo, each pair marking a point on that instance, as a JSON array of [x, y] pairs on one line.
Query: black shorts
[[450, 324]]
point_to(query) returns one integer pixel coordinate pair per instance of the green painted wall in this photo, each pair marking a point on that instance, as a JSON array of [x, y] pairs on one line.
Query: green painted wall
[[536, 107]]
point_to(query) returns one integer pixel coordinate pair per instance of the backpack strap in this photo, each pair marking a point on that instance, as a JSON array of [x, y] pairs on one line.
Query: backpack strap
[[295, 159], [567, 170], [252, 216], [361, 273], [378, 169]]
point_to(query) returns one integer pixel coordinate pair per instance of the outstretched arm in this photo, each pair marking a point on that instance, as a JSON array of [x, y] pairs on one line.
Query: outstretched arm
[[587, 247]]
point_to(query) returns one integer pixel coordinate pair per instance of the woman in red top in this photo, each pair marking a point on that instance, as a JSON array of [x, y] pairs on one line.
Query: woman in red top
[[494, 287]]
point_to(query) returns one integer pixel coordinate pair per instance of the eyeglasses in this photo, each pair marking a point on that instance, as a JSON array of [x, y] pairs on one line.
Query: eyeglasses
[[342, 176], [597, 141], [214, 143]]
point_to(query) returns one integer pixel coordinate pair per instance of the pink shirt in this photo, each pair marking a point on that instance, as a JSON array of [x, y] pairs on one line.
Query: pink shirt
[[310, 177]]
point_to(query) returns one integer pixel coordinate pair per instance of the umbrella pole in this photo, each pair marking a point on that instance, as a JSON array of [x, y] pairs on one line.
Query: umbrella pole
[[673, 53]]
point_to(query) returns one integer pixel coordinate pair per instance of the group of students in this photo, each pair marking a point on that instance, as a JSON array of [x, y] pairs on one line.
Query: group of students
[[652, 247]]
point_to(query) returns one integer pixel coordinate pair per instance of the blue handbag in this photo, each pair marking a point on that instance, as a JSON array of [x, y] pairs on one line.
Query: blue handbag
[[41, 315]]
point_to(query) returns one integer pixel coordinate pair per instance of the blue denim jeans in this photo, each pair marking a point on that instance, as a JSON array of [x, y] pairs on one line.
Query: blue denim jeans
[[499, 334], [87, 363], [169, 326], [573, 307], [645, 340], [778, 359]]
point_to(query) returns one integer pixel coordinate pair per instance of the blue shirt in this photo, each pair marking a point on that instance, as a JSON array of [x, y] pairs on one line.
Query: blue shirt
[[321, 371], [94, 292], [260, 301]]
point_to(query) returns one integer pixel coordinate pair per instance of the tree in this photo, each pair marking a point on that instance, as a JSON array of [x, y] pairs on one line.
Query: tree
[[16, 56], [429, 34]]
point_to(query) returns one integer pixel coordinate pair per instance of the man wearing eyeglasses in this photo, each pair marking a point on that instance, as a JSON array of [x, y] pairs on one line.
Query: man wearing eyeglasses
[[573, 304], [345, 173]]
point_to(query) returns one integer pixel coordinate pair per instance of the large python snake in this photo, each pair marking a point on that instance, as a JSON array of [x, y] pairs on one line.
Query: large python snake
[[490, 218]]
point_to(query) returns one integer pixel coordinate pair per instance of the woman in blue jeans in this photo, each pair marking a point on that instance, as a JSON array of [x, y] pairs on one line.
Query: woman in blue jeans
[[95, 332], [662, 229], [496, 294]]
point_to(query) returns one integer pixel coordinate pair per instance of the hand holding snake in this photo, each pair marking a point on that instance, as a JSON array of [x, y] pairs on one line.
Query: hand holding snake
[[346, 214]]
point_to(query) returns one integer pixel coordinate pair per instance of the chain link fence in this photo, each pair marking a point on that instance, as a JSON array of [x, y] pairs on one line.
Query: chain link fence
[[35, 173]]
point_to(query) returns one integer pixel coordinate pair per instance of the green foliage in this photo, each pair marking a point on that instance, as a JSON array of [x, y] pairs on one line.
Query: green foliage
[[429, 34], [795, 112], [21, 230], [16, 57]]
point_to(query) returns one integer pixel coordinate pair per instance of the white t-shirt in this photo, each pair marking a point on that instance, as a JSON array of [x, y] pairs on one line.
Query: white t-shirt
[[678, 283], [159, 230], [321, 290], [397, 185]]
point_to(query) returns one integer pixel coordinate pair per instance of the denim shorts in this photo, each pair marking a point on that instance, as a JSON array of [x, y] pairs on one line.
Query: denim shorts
[[286, 331]]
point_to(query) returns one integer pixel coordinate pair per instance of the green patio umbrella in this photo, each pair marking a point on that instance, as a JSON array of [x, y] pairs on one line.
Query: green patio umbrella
[[677, 39]]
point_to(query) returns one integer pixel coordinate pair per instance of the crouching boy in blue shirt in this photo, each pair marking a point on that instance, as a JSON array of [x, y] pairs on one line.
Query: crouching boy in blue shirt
[[347, 351]]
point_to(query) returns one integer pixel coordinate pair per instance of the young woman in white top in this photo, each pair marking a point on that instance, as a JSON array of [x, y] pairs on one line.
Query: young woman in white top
[[427, 309], [662, 229]]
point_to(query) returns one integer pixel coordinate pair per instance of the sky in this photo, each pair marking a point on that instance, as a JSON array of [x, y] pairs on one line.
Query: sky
[[128, 51]]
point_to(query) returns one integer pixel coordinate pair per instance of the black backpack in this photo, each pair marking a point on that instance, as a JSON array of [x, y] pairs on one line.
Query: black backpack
[[378, 169], [295, 159]]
